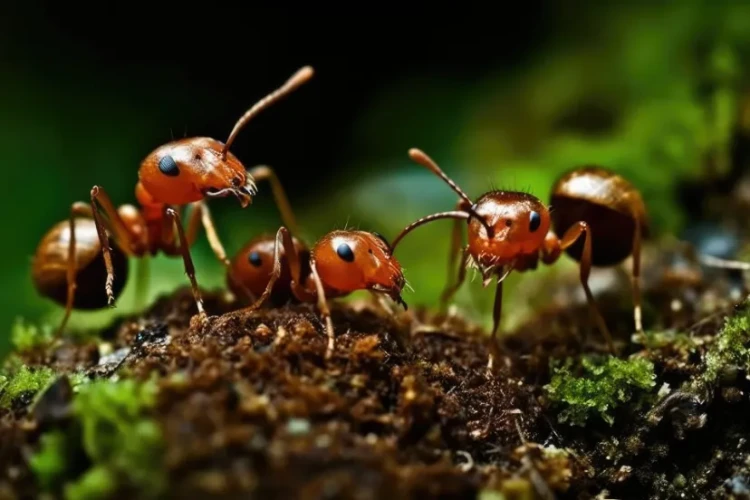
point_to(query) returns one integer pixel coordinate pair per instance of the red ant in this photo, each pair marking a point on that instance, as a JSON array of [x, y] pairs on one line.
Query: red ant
[[600, 215], [181, 172], [341, 262]]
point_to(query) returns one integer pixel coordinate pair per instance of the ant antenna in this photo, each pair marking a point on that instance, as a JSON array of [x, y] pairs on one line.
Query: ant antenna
[[420, 157], [297, 79], [454, 214]]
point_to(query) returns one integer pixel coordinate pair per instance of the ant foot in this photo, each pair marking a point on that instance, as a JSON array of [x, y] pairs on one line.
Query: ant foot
[[199, 321], [490, 364]]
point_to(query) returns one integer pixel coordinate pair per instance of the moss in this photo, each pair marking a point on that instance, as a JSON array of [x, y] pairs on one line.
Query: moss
[[602, 385], [23, 380], [25, 336], [115, 434], [660, 339], [731, 349]]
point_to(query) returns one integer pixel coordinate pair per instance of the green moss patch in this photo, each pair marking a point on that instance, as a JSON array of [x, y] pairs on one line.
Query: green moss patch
[[598, 387], [114, 433]]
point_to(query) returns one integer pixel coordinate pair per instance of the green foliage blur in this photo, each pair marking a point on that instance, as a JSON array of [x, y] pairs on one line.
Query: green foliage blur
[[650, 91]]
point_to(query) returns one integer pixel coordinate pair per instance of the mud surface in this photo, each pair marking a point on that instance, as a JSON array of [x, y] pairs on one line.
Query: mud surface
[[248, 406]]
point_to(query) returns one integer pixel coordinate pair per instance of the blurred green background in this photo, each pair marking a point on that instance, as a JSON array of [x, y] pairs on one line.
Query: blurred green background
[[651, 90]]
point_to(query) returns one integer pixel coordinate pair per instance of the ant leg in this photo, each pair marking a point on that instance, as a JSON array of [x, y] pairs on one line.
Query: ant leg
[[119, 229], [202, 214], [637, 277], [451, 290], [456, 238], [570, 237], [324, 311], [263, 173], [282, 239], [193, 222], [496, 315], [188, 261], [78, 208]]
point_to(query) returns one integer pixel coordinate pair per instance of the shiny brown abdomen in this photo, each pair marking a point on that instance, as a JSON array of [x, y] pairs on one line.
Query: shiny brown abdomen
[[608, 203], [50, 262]]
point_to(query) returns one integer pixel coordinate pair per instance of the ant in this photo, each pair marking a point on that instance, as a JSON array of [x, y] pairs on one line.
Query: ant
[[67, 266], [600, 215], [283, 268]]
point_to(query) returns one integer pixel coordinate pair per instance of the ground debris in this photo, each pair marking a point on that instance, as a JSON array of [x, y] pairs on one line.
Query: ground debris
[[248, 404]]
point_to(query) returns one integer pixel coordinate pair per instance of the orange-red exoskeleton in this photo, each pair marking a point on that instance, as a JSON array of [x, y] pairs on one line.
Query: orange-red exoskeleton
[[281, 269], [600, 216], [68, 267]]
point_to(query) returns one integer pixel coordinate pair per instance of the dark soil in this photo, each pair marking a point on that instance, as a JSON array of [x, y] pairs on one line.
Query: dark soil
[[406, 407]]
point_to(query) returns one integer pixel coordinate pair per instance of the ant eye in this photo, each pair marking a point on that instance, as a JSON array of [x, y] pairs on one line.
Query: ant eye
[[345, 252], [254, 259], [508, 222], [535, 220], [168, 166]]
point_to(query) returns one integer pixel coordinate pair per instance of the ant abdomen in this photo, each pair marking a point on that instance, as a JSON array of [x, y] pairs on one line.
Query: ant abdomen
[[50, 262], [609, 204]]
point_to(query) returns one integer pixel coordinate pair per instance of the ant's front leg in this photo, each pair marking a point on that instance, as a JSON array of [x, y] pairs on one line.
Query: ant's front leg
[[187, 260], [201, 215], [283, 240], [456, 240], [323, 308], [497, 310]]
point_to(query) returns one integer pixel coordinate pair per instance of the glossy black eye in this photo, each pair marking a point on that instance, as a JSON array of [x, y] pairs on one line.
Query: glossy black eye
[[535, 220], [345, 252], [168, 166], [254, 259]]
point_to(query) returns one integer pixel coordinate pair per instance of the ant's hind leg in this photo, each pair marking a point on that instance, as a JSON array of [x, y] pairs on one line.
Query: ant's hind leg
[[119, 230], [78, 208], [637, 318], [570, 237]]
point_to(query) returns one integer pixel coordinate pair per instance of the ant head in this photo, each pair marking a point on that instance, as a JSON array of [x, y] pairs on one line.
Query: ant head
[[519, 221], [358, 260], [251, 267], [192, 169]]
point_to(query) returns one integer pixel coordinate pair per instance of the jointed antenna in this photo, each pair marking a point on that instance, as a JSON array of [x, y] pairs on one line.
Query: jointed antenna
[[455, 214], [300, 77], [421, 157]]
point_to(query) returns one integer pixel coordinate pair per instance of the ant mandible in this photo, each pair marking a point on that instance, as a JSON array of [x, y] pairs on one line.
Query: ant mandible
[[283, 268], [67, 266], [601, 216]]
